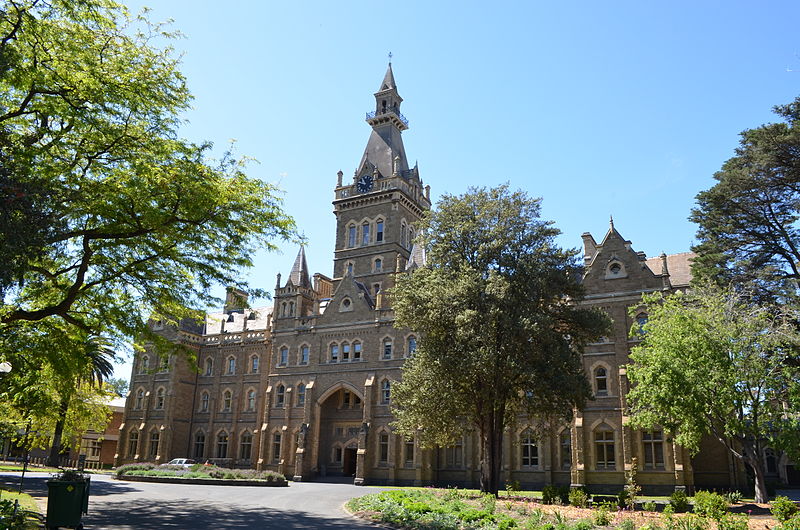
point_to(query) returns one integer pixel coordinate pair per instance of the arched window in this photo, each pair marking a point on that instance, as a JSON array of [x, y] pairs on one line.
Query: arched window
[[304, 354], [163, 365], [133, 443], [383, 448], [379, 230], [251, 400], [204, 399], [530, 451], [301, 395], [565, 448], [283, 357], [139, 399], [410, 236], [403, 235], [350, 268], [222, 445], [283, 309], [412, 345], [334, 353], [159, 398], [408, 452], [199, 444], [771, 460], [291, 309], [351, 236], [254, 364], [378, 267], [144, 365], [604, 447], [152, 450], [641, 321], [365, 234], [227, 400], [345, 352], [454, 455], [601, 381], [386, 391], [209, 366], [337, 454], [387, 348], [231, 365], [356, 351], [276, 447], [653, 442], [246, 445], [280, 396]]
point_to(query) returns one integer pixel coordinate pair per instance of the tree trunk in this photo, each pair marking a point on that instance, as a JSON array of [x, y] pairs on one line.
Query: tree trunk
[[491, 436], [55, 449], [760, 485]]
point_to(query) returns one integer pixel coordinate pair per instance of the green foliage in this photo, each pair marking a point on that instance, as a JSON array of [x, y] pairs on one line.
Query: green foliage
[[632, 488], [127, 469], [732, 521], [10, 516], [733, 497], [650, 506], [488, 502], [124, 218], [710, 504], [783, 508], [582, 524], [739, 240], [626, 524], [513, 486], [791, 524], [689, 522], [710, 363], [552, 494], [496, 335], [578, 498], [602, 516], [678, 502]]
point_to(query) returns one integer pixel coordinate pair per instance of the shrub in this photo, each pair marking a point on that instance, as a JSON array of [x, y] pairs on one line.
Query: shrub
[[583, 524], [11, 516], [649, 506], [690, 522], [791, 524], [627, 524], [783, 508], [513, 486], [632, 488], [710, 504], [679, 501], [127, 468], [732, 521], [623, 500], [488, 502], [550, 494], [578, 498], [733, 497], [602, 517]]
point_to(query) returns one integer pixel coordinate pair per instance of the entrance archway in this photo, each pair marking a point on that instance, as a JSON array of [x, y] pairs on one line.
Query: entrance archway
[[340, 417]]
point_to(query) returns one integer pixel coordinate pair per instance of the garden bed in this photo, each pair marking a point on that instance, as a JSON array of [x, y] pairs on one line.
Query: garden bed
[[199, 474], [458, 509]]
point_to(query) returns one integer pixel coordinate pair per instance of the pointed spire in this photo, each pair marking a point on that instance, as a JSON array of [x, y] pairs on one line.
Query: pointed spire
[[388, 80], [299, 274], [611, 221], [417, 258]]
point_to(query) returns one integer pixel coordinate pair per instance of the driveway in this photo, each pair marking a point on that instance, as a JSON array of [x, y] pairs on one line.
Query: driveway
[[128, 505]]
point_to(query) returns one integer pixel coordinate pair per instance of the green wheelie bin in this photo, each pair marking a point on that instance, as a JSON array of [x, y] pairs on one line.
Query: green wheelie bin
[[67, 501]]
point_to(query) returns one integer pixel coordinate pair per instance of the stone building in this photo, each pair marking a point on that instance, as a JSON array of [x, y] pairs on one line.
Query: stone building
[[304, 387]]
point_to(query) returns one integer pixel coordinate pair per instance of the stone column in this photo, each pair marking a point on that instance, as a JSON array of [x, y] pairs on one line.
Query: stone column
[[578, 468], [263, 439]]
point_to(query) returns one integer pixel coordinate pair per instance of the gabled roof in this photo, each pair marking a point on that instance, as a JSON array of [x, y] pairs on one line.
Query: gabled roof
[[679, 267], [417, 258]]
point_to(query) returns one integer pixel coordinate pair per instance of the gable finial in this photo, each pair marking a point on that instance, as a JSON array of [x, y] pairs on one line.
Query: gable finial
[[611, 221]]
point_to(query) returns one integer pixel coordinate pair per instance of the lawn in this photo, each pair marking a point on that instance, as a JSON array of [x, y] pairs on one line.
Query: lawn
[[32, 518]]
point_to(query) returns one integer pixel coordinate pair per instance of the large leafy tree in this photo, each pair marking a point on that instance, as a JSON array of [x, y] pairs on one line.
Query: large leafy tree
[[748, 221], [501, 333], [111, 216], [711, 364]]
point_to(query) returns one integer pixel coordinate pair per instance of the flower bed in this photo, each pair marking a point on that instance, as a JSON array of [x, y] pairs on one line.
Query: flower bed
[[199, 474], [458, 509]]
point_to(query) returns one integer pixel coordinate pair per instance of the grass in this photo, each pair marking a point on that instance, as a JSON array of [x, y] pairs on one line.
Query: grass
[[27, 503], [18, 468]]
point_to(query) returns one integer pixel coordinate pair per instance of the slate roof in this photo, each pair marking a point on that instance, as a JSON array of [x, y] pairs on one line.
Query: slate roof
[[678, 266]]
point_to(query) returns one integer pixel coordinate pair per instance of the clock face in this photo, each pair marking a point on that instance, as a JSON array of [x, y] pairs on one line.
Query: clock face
[[364, 183]]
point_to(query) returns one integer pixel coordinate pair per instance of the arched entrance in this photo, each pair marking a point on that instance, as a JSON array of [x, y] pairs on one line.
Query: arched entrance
[[340, 418]]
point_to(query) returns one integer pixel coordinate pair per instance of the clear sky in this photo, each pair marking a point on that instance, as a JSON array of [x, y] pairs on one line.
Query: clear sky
[[600, 108]]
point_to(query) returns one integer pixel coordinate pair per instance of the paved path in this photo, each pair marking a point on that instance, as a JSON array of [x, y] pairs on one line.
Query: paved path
[[132, 505]]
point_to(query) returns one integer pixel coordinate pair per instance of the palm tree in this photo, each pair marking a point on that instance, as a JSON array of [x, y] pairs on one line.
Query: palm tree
[[96, 367]]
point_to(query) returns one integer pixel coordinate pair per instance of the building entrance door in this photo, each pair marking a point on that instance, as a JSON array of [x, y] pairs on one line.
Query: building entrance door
[[349, 468]]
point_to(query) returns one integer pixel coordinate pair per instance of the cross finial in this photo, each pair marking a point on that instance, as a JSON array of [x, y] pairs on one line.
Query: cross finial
[[611, 220], [390, 57]]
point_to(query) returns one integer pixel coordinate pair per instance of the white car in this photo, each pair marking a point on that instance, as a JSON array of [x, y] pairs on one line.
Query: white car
[[185, 462]]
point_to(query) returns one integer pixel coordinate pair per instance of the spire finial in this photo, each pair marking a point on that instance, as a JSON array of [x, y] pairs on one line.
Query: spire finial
[[611, 221], [390, 58]]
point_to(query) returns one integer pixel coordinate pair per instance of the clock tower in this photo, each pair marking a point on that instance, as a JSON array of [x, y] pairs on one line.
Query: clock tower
[[377, 211]]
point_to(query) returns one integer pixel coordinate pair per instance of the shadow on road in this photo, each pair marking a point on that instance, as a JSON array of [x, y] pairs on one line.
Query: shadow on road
[[145, 513], [37, 486]]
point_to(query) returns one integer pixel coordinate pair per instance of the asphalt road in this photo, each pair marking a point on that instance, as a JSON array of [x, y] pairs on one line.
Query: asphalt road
[[129, 505]]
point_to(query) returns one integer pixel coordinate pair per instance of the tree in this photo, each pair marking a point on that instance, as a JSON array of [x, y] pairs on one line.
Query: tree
[[711, 364], [501, 333], [118, 385], [121, 217], [748, 231]]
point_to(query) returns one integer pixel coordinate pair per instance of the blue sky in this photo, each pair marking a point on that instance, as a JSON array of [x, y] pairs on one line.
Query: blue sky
[[600, 108]]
